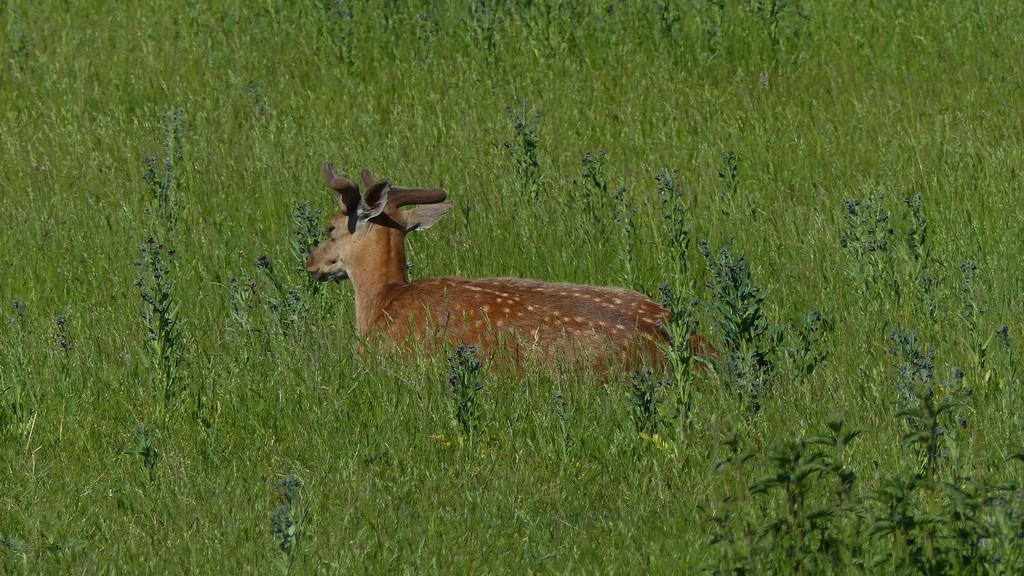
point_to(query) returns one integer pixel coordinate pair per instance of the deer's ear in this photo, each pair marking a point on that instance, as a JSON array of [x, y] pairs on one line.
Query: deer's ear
[[424, 216], [375, 200]]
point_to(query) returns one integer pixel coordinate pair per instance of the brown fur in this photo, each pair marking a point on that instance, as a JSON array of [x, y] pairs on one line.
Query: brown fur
[[553, 323]]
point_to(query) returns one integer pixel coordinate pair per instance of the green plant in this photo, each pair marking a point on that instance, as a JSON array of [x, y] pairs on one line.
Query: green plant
[[1010, 379], [286, 522], [678, 228], [682, 311], [921, 261], [306, 236], [917, 231], [591, 192], [669, 18], [286, 304], [163, 176], [650, 410], [971, 315], [751, 342], [256, 95], [728, 176], [523, 151], [336, 22], [18, 45], [63, 333], [160, 316], [145, 450], [733, 537], [798, 532], [771, 13], [465, 387], [242, 294], [712, 18], [930, 420], [484, 22], [17, 392], [867, 238], [807, 353], [625, 215], [678, 351]]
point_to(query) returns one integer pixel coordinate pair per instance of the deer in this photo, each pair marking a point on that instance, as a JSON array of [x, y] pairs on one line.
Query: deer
[[551, 322]]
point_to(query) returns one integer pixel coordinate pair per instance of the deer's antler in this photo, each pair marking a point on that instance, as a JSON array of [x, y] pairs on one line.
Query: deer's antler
[[347, 190], [398, 196]]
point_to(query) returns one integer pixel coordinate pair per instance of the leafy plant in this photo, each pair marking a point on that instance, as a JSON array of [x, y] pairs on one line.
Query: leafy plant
[[256, 96], [728, 176], [63, 333], [243, 294], [712, 19], [18, 44], [465, 386], [624, 217], [800, 530], [523, 151], [306, 236], [679, 352], [591, 193], [163, 176], [484, 22], [1011, 378], [286, 522], [972, 312], [286, 304], [160, 316], [16, 391], [807, 353], [669, 19], [867, 238], [750, 339], [145, 450], [678, 228], [336, 20], [649, 408], [921, 261]]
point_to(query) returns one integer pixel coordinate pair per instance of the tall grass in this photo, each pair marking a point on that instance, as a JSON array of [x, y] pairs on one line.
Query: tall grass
[[828, 191]]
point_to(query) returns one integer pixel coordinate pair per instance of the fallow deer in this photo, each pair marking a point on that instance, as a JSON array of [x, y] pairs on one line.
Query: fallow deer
[[550, 322]]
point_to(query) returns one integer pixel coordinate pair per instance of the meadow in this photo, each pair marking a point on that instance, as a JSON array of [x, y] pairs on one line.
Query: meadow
[[830, 191]]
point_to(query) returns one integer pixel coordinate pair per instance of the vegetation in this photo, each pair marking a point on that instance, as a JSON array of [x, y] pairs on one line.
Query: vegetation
[[830, 191]]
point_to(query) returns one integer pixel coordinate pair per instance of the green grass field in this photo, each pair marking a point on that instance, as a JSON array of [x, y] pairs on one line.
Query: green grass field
[[846, 212]]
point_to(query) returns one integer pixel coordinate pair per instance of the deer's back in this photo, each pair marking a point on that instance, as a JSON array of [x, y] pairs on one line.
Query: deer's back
[[526, 317]]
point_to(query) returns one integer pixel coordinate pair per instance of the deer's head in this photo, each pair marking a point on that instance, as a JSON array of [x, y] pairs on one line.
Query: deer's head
[[369, 225]]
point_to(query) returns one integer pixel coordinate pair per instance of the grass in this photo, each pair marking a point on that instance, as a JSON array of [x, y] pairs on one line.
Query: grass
[[854, 167]]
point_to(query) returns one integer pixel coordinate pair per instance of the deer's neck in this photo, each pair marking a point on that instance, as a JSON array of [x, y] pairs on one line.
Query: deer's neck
[[378, 275]]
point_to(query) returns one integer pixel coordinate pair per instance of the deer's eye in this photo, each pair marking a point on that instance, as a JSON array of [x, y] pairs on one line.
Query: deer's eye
[[330, 232]]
